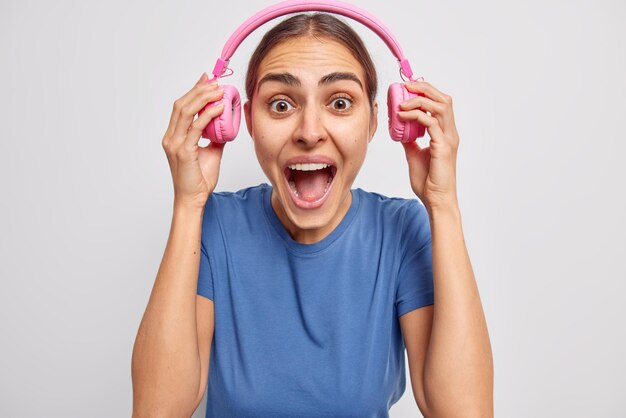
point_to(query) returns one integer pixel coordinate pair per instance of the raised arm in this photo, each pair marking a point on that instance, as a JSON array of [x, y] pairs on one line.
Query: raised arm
[[166, 367], [171, 351], [455, 364]]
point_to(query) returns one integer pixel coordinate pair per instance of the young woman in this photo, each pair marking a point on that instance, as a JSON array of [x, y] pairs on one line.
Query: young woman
[[297, 299]]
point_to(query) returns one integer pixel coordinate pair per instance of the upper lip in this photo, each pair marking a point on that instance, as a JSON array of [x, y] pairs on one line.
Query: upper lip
[[308, 159]]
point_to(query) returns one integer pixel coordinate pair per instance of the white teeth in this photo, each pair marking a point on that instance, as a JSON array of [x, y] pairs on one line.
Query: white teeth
[[330, 180], [293, 188], [308, 167]]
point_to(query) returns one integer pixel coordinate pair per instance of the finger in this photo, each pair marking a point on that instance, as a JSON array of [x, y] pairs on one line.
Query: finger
[[412, 151], [211, 154], [174, 115], [411, 147], [188, 97], [438, 110], [203, 77], [196, 128], [431, 123], [203, 81], [445, 101], [418, 159], [428, 89], [189, 109]]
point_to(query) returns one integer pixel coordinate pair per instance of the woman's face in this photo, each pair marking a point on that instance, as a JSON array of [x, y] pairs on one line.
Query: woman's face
[[310, 106]]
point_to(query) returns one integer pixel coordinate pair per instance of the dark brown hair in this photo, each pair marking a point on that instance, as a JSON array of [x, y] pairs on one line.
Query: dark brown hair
[[319, 26]]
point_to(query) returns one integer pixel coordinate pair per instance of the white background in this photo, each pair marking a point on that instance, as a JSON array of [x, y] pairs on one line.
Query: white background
[[86, 91]]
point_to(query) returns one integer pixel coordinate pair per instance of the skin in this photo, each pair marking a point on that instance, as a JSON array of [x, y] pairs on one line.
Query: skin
[[311, 119]]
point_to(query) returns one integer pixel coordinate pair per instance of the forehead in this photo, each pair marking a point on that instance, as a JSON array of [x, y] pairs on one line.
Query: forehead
[[308, 55]]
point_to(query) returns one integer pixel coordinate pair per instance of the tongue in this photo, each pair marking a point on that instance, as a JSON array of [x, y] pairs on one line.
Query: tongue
[[310, 184]]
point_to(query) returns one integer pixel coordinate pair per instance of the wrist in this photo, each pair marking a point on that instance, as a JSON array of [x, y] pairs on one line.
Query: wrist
[[445, 209], [182, 209]]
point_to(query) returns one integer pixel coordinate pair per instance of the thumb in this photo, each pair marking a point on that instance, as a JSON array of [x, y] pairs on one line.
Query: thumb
[[213, 150], [411, 149], [418, 159]]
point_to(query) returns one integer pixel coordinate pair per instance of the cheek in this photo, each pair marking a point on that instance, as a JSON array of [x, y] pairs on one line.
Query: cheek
[[352, 139], [265, 151], [354, 149], [353, 129]]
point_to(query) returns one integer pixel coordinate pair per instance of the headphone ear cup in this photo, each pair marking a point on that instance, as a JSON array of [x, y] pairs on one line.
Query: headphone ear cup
[[224, 127], [403, 131]]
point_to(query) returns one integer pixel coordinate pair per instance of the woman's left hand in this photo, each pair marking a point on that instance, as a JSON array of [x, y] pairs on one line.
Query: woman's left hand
[[432, 169]]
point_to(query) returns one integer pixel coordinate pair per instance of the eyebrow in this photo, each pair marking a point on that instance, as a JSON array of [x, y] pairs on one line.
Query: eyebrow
[[293, 81]]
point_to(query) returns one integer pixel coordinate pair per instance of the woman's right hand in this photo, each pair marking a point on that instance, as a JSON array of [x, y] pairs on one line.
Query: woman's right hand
[[195, 170]]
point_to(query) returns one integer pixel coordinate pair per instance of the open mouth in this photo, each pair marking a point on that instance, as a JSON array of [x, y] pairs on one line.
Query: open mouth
[[310, 183]]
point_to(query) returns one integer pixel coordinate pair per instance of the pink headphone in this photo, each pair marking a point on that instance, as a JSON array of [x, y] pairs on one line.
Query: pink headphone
[[224, 128]]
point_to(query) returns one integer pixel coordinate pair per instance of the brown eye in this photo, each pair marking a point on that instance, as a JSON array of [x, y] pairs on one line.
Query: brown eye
[[280, 105], [341, 103]]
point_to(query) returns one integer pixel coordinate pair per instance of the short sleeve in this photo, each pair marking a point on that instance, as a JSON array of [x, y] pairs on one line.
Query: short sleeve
[[415, 285], [205, 276]]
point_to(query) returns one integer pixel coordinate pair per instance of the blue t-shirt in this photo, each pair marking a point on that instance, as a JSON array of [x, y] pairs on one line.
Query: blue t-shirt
[[311, 330]]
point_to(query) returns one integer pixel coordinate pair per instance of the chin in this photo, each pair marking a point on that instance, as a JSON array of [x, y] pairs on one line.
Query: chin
[[311, 221]]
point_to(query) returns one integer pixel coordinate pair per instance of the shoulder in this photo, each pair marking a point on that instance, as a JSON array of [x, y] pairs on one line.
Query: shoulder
[[228, 210], [225, 201], [239, 196], [406, 218], [397, 208]]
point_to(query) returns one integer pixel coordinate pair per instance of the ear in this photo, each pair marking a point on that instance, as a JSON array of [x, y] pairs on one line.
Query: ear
[[373, 120], [246, 112]]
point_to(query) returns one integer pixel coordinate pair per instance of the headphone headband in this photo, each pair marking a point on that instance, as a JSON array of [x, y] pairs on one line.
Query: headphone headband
[[292, 6]]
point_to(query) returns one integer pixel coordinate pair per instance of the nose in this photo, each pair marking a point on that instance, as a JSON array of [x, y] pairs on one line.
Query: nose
[[311, 127]]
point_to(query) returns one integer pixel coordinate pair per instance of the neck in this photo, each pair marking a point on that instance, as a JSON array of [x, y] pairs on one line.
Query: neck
[[311, 235]]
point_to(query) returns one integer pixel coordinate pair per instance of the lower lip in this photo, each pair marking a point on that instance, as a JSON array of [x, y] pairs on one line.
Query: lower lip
[[305, 204]]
